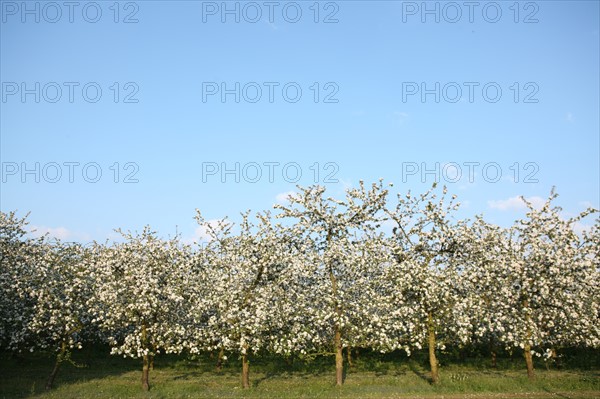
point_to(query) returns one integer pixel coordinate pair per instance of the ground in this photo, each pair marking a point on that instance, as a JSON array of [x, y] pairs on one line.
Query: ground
[[372, 376]]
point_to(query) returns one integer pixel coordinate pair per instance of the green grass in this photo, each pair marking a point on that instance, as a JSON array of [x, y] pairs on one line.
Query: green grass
[[372, 376]]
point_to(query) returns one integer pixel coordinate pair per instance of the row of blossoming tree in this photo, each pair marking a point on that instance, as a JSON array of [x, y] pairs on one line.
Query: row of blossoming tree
[[314, 276]]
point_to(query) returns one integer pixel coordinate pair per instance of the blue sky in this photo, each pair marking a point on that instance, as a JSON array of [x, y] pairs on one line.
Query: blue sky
[[373, 125]]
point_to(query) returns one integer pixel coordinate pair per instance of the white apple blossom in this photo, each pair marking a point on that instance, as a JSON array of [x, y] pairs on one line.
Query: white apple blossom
[[425, 300], [328, 277], [334, 263], [535, 285], [44, 292], [140, 295]]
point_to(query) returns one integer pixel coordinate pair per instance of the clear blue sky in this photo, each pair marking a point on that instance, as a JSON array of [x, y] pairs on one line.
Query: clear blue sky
[[370, 61]]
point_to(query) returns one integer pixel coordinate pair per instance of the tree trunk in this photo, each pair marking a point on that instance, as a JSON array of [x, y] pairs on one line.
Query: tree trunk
[[289, 360], [349, 356], [553, 359], [145, 373], [337, 343], [529, 361], [556, 359], [493, 352], [339, 358], [245, 372], [527, 347], [435, 377], [59, 359], [145, 361], [462, 354], [220, 359]]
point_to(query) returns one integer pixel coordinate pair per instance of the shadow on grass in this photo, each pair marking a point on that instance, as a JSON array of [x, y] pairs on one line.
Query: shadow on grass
[[262, 368], [267, 376], [188, 375], [273, 368], [26, 375], [419, 373]]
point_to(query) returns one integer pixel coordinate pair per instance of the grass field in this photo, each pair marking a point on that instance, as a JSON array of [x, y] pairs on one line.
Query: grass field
[[372, 376]]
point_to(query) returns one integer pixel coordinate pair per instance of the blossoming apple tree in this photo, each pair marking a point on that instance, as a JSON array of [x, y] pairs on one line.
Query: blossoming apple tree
[[330, 226], [537, 284], [247, 300], [140, 295], [44, 293], [427, 306], [18, 253]]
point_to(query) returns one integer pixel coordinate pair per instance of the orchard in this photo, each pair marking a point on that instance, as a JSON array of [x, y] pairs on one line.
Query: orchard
[[316, 276]]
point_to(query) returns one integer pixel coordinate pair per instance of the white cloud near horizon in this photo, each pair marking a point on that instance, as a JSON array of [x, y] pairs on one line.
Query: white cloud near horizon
[[516, 203], [282, 198], [579, 228], [201, 233], [61, 233], [401, 117], [586, 204], [569, 117]]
